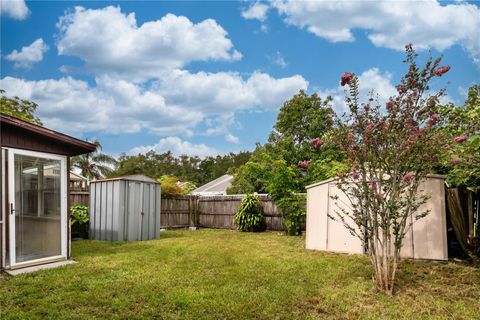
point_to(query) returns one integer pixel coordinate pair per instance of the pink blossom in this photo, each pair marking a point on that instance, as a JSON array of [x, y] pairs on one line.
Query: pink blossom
[[407, 177], [456, 161], [355, 175], [373, 185], [440, 71], [316, 143], [347, 76], [369, 128], [390, 105], [401, 89], [460, 139], [431, 102], [433, 119], [412, 83], [378, 196], [304, 164]]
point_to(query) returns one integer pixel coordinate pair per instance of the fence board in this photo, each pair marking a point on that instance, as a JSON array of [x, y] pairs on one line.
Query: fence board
[[79, 198]]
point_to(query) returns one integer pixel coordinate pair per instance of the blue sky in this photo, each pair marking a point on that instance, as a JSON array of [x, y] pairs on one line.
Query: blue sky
[[203, 78]]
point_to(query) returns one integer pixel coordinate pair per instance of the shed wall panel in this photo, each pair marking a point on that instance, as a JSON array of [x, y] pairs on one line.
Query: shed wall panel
[[124, 210], [339, 238], [317, 208]]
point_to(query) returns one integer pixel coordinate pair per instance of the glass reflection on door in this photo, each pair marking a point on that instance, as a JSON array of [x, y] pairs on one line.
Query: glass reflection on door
[[37, 208]]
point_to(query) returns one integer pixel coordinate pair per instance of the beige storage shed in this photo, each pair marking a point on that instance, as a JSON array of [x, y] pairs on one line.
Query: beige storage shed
[[426, 239]]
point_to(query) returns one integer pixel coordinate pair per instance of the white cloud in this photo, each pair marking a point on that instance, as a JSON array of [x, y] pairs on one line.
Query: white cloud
[[110, 42], [224, 92], [278, 60], [16, 9], [28, 55], [178, 147], [113, 106], [390, 24], [174, 105], [231, 138], [256, 11]]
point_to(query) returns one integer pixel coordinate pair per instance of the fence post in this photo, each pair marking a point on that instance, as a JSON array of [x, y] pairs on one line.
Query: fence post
[[191, 221], [196, 212]]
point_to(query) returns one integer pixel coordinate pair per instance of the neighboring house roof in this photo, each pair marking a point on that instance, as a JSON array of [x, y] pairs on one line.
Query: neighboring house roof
[[17, 133], [76, 177], [133, 177], [217, 186]]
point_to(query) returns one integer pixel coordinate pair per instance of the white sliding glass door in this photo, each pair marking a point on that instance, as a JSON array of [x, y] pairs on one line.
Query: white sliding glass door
[[38, 207]]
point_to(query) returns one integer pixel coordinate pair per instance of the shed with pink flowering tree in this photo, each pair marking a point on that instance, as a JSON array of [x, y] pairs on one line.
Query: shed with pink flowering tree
[[426, 238]]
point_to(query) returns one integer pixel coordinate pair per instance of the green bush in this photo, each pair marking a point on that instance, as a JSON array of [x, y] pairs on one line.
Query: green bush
[[294, 213], [250, 217], [79, 214], [281, 188]]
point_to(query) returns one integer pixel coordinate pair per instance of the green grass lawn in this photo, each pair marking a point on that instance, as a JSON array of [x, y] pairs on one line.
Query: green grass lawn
[[213, 274]]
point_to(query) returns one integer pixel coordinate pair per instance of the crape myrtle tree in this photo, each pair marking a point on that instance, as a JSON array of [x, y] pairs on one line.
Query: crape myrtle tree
[[390, 148]]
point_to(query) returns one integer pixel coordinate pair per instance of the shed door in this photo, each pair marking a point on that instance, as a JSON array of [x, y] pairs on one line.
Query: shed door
[[38, 207]]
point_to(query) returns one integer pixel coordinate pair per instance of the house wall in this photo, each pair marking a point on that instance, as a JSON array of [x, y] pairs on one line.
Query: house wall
[[32, 226], [426, 239]]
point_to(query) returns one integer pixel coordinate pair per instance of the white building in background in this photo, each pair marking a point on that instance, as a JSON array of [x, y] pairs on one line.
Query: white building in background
[[216, 187]]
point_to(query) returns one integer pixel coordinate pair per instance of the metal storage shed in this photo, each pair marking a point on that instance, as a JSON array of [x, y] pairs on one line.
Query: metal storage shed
[[426, 239], [125, 209]]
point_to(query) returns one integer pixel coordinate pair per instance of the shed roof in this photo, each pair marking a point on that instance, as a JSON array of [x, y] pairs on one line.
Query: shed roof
[[218, 185], [133, 177], [430, 176], [20, 134]]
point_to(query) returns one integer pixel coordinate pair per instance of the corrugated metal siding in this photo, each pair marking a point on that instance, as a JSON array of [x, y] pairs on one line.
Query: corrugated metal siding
[[123, 210]]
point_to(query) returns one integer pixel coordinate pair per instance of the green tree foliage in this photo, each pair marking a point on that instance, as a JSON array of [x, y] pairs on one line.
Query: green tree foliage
[[94, 165], [19, 108], [462, 125], [193, 169], [172, 186], [254, 175], [301, 120], [250, 217], [281, 187]]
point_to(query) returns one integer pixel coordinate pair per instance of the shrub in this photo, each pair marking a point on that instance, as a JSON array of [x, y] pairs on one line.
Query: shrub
[[250, 217], [282, 185], [294, 213], [79, 214]]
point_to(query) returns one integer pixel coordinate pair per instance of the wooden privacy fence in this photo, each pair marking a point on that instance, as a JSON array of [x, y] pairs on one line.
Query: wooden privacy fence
[[201, 211], [212, 212], [79, 198]]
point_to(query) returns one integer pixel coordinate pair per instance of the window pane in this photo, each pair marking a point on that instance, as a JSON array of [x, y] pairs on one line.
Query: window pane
[[38, 208]]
